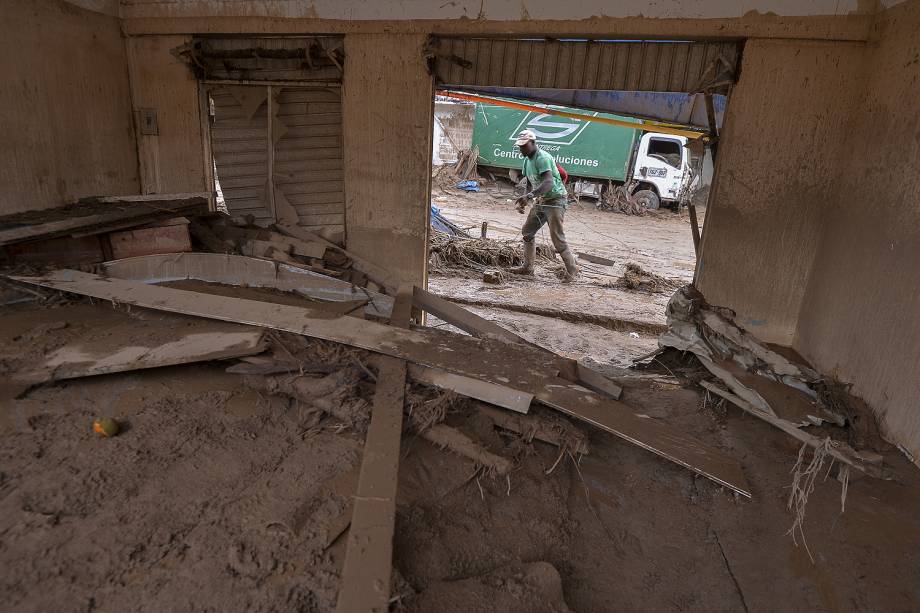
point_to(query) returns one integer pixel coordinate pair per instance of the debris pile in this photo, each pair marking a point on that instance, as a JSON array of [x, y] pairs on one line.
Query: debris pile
[[449, 176], [780, 389], [306, 326], [635, 278], [617, 200], [478, 254]]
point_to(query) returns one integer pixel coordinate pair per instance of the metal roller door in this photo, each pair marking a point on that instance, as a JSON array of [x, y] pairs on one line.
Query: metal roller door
[[660, 66], [276, 128], [303, 155]]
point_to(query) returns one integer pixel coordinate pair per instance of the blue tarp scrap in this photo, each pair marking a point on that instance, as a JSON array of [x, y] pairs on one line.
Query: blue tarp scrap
[[442, 224], [469, 186]]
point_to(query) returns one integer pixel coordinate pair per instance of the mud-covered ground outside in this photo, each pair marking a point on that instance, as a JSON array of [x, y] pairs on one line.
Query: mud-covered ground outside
[[598, 322]]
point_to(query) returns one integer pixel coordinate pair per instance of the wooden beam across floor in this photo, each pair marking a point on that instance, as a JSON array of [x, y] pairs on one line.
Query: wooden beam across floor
[[365, 584]]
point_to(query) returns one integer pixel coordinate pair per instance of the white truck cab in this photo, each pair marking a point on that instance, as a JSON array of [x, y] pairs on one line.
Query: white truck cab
[[661, 172]]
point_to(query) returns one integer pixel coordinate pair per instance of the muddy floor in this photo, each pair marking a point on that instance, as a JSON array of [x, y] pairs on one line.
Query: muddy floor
[[215, 497]]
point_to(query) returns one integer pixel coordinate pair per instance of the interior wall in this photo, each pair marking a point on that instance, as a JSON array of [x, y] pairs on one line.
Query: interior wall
[[495, 10], [775, 172], [65, 112], [861, 315], [171, 161], [387, 101]]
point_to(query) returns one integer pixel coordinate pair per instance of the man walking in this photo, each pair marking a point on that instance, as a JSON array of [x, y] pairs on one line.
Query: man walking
[[549, 198]]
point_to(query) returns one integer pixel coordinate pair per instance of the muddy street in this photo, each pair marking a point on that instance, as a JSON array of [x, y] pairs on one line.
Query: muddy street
[[593, 319]]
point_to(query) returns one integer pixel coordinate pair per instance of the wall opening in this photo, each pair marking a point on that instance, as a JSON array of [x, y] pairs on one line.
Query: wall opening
[[633, 160]]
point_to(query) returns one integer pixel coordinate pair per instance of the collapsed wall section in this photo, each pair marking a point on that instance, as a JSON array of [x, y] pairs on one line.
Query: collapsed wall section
[[66, 106]]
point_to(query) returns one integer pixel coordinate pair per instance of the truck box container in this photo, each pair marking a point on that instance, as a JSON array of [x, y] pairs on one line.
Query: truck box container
[[584, 148]]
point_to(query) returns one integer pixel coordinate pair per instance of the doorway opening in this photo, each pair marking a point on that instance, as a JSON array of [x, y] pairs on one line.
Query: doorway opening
[[632, 128]]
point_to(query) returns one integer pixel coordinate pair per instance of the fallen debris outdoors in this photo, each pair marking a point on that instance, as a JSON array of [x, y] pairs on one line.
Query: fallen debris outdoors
[[477, 254], [636, 279]]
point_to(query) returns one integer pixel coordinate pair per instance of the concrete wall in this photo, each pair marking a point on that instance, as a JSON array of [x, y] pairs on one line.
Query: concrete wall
[[453, 130], [776, 171], [173, 160], [492, 9], [861, 314], [65, 106], [387, 115]]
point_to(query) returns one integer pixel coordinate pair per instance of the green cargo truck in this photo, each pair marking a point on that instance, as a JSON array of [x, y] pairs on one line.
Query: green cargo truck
[[653, 168]]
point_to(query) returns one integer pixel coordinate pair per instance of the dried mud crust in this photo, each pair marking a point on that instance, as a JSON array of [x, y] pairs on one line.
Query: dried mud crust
[[215, 496], [207, 498]]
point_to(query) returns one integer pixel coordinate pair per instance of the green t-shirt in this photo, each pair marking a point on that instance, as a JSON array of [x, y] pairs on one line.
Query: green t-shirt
[[536, 166]]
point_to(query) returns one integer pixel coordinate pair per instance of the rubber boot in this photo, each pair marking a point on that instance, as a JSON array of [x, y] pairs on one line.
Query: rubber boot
[[530, 253], [571, 268]]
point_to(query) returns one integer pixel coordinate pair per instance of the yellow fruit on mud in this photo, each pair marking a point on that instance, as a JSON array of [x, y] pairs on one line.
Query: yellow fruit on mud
[[105, 427]]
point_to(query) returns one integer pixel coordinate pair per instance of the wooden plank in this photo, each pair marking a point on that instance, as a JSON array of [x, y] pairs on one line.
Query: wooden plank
[[516, 366], [483, 328], [596, 381], [365, 584], [650, 434], [147, 210], [242, 270], [141, 344], [839, 451], [463, 319], [499, 395]]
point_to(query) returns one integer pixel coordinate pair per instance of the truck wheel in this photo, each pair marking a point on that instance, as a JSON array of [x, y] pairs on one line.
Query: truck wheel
[[647, 199]]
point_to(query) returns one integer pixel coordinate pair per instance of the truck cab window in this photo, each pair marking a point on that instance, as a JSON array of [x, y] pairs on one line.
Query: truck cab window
[[668, 151]]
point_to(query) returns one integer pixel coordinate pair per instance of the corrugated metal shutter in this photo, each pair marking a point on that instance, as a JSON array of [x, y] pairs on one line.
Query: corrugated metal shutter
[[239, 141], [305, 159], [308, 156], [603, 65]]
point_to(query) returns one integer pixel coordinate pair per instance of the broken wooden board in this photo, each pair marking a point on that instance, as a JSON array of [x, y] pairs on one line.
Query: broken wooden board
[[365, 582], [499, 395], [242, 270], [494, 361], [562, 434], [481, 327], [99, 214], [141, 344], [596, 381], [517, 366], [379, 275], [838, 450], [650, 434], [463, 319]]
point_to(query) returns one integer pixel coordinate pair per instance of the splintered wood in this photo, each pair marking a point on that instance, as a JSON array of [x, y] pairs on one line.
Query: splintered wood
[[516, 366]]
